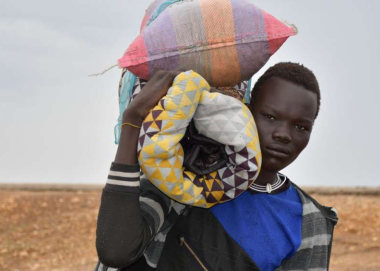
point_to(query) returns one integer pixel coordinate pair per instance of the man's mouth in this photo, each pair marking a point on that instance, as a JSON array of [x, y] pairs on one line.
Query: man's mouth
[[278, 151]]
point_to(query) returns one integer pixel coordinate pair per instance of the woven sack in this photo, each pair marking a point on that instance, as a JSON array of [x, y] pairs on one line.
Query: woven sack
[[216, 116], [225, 41]]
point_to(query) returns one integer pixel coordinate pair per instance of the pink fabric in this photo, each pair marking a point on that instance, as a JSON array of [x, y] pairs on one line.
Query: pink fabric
[[276, 32], [135, 55]]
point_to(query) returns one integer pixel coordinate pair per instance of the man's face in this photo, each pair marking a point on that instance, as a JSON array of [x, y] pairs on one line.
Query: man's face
[[284, 115]]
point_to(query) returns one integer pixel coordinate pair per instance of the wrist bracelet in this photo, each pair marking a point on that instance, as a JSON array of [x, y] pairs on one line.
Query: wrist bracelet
[[130, 124]]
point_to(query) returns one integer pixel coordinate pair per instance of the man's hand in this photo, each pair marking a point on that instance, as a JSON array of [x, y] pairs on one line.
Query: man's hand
[[152, 93], [137, 111]]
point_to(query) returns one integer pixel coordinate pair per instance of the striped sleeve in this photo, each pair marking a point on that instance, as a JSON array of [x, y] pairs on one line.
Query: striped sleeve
[[317, 229], [131, 213], [122, 233], [124, 178]]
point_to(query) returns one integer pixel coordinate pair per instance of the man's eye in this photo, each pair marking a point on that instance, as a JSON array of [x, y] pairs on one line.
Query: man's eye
[[269, 117], [300, 127]]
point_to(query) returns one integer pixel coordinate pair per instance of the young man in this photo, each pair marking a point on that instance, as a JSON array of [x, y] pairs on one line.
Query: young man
[[274, 225]]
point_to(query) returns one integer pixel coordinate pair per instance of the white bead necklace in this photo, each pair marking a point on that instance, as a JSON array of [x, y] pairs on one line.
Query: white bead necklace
[[269, 188]]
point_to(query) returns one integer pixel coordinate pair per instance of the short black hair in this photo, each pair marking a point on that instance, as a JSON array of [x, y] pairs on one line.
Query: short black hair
[[292, 72]]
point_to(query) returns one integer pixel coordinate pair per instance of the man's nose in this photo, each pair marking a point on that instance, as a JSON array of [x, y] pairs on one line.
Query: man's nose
[[282, 133]]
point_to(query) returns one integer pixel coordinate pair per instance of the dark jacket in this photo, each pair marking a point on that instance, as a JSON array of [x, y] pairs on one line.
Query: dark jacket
[[191, 238]]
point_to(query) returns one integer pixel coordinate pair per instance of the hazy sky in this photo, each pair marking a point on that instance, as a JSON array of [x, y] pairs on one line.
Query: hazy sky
[[57, 124]]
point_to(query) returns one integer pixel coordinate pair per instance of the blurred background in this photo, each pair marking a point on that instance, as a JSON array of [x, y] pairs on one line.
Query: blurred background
[[57, 123]]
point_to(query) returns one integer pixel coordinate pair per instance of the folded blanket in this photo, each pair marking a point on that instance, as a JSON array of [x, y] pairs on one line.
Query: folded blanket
[[216, 116]]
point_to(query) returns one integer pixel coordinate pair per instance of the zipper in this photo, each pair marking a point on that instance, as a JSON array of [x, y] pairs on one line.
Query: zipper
[[183, 242]]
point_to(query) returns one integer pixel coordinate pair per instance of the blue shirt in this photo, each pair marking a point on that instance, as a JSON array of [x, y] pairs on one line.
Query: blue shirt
[[266, 226]]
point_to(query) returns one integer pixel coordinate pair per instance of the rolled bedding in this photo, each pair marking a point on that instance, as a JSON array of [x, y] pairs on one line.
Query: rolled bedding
[[220, 121]]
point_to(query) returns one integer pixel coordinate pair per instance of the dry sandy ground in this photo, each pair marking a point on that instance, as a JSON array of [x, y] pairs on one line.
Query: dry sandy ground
[[55, 230]]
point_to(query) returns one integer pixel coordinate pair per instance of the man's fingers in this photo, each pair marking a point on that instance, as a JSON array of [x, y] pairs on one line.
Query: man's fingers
[[166, 75], [181, 70]]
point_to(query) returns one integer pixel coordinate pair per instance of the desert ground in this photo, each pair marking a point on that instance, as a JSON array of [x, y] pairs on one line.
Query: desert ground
[[53, 227]]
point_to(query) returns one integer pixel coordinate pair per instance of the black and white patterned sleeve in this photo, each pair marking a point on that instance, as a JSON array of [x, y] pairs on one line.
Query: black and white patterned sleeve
[[122, 232]]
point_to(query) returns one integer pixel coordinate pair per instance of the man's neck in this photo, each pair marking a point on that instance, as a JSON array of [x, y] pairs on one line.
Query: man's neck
[[266, 177]]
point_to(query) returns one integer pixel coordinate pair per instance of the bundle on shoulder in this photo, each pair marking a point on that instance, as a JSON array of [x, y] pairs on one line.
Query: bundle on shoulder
[[225, 41]]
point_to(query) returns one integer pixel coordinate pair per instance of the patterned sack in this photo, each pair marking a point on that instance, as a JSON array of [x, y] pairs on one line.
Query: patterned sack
[[225, 41], [217, 116]]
